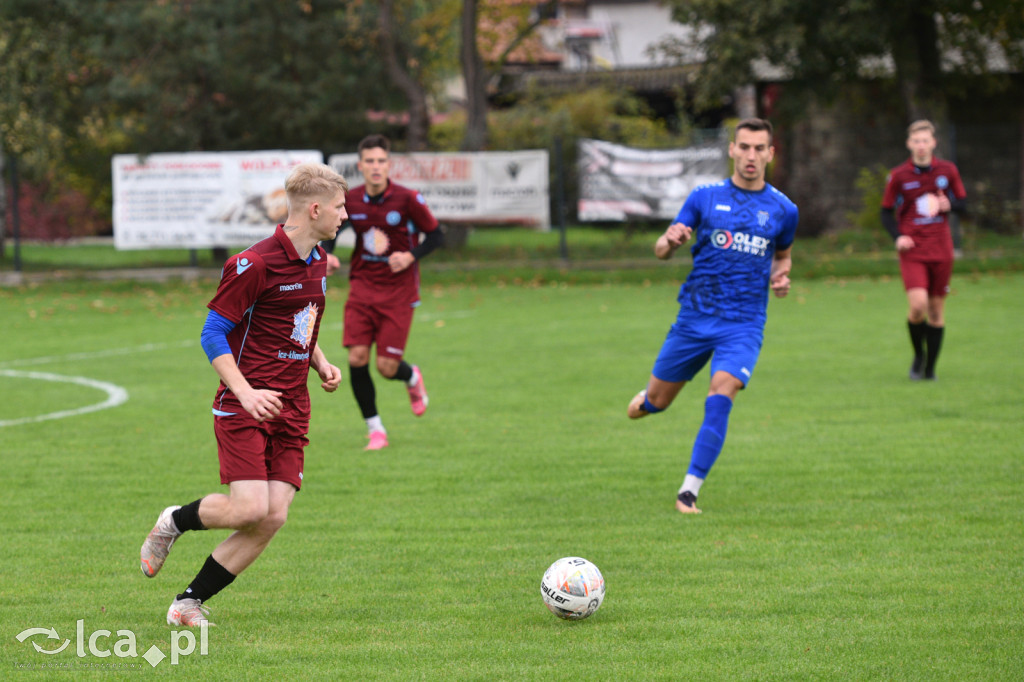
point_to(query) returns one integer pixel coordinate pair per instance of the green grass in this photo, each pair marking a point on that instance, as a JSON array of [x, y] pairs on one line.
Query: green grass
[[857, 526]]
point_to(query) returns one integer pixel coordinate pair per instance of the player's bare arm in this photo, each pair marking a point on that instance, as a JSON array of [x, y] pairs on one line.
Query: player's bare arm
[[261, 403], [781, 265], [675, 236], [333, 264], [330, 375]]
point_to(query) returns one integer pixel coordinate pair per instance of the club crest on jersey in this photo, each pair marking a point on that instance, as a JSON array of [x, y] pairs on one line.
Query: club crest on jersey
[[942, 182], [393, 218], [305, 323], [376, 242], [762, 218]]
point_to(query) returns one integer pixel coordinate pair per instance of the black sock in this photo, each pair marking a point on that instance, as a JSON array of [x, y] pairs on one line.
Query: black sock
[[363, 389], [212, 578], [917, 332], [187, 517], [404, 372], [933, 340]]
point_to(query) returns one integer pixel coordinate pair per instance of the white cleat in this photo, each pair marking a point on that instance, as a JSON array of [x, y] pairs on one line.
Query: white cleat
[[158, 543], [188, 612]]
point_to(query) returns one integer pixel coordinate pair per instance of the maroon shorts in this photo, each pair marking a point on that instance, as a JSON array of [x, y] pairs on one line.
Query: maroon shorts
[[934, 276], [260, 451], [386, 325]]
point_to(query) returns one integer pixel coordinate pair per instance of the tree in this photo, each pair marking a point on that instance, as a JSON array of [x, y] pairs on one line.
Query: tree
[[82, 80], [522, 19], [415, 44], [475, 78], [818, 48]]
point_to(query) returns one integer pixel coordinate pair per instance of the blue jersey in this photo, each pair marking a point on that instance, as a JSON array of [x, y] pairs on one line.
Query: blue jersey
[[736, 234]]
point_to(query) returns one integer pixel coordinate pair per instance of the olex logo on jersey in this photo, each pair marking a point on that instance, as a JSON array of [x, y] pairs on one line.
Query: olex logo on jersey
[[124, 650], [740, 241]]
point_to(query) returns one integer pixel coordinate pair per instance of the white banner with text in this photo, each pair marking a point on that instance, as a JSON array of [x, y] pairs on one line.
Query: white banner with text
[[618, 183], [200, 199], [470, 187]]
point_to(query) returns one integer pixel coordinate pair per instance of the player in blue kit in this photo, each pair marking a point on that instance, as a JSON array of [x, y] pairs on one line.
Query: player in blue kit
[[743, 231]]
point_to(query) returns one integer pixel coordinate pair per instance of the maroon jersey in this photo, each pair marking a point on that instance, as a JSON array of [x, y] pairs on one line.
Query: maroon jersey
[[277, 301], [910, 190], [392, 222]]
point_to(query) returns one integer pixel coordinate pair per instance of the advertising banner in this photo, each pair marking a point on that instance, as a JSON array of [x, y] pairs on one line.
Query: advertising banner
[[200, 199], [470, 187], [619, 183]]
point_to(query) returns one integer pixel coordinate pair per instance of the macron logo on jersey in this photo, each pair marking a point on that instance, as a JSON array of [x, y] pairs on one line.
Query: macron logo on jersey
[[242, 265]]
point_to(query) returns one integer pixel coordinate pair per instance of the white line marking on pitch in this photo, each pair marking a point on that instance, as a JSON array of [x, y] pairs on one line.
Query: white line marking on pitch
[[110, 352], [115, 395]]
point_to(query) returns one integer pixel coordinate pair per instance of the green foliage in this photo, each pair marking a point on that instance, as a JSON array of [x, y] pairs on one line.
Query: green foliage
[[989, 211], [817, 48], [542, 120], [829, 547], [870, 185], [539, 119]]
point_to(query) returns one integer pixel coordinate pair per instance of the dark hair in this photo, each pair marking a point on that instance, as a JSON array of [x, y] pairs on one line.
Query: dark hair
[[373, 142], [756, 125]]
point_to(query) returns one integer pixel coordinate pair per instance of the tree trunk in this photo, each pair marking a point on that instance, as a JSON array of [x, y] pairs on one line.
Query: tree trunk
[[416, 96], [476, 81], [918, 60]]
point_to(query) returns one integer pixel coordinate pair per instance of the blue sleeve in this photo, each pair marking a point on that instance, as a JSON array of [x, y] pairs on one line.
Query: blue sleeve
[[689, 214], [785, 239], [214, 338]]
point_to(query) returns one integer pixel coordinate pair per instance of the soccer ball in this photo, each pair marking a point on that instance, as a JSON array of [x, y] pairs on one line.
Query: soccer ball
[[572, 588]]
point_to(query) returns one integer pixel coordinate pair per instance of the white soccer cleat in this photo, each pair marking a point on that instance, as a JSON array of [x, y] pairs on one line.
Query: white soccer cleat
[[158, 543], [188, 612]]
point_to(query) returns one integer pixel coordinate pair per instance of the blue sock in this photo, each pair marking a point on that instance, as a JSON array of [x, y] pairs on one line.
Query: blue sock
[[711, 436], [649, 408]]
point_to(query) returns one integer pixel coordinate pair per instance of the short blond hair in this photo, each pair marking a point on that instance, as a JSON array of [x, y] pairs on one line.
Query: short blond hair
[[918, 126], [313, 181]]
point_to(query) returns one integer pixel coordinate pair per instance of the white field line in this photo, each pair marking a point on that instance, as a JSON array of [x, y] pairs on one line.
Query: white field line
[[110, 352], [116, 395]]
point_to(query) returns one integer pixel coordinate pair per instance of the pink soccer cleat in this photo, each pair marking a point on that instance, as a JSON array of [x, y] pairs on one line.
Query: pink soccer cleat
[[418, 394], [378, 440]]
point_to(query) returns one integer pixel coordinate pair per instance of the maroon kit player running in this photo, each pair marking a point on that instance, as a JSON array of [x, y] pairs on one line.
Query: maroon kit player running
[[384, 280], [261, 338], [919, 195]]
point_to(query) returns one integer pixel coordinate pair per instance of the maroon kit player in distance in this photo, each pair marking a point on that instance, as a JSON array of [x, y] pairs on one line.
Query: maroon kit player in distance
[[261, 338], [919, 195], [384, 282]]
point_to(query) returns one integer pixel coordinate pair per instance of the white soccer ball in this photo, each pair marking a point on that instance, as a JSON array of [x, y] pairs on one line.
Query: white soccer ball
[[572, 588]]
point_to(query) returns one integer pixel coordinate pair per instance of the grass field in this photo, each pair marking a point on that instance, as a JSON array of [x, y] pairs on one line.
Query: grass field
[[858, 526]]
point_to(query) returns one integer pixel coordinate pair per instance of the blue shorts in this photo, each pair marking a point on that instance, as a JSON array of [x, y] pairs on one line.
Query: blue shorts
[[732, 346]]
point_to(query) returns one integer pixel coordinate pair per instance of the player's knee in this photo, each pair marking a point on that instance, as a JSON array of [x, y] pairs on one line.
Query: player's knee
[[387, 367], [273, 521], [249, 513], [358, 356]]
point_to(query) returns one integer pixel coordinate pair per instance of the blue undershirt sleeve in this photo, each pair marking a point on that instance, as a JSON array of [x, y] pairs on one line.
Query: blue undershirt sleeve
[[214, 337]]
